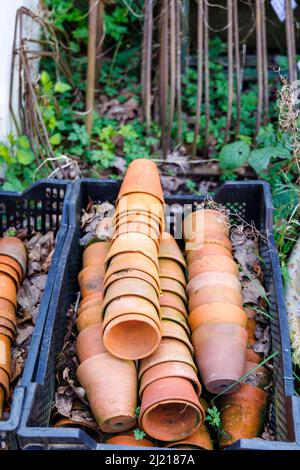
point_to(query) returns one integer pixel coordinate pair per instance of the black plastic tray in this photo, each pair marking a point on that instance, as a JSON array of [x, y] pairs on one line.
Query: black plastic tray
[[253, 202], [43, 207]]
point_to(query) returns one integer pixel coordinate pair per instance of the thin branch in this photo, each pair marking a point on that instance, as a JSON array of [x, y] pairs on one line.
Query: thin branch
[[90, 85], [200, 75], [230, 68]]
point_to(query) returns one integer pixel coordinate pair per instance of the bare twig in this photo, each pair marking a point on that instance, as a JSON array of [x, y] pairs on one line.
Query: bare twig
[[230, 68], [90, 85], [200, 75]]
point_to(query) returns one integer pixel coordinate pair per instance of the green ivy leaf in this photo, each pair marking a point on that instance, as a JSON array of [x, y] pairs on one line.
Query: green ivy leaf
[[23, 142], [259, 159], [61, 87], [234, 155], [46, 82], [25, 157], [55, 139], [5, 153]]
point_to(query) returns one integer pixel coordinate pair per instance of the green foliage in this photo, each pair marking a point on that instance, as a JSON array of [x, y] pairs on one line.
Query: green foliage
[[213, 418], [234, 155], [139, 434]]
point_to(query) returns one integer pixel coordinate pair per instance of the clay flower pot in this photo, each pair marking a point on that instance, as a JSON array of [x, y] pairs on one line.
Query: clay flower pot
[[205, 221], [199, 240], [135, 287], [4, 322], [217, 313], [128, 439], [168, 299], [131, 274], [5, 354], [4, 383], [169, 350], [137, 228], [140, 202], [208, 249], [90, 280], [250, 327], [251, 355], [216, 293], [142, 176], [4, 268], [138, 261], [171, 329], [130, 304], [111, 388], [7, 332], [199, 440], [169, 249], [15, 248], [170, 285], [131, 336], [8, 289], [172, 270], [136, 243], [89, 317], [242, 414], [90, 303], [95, 254], [7, 310], [220, 353], [211, 279], [139, 219], [259, 378], [170, 409], [222, 264], [170, 369], [89, 342], [169, 313], [7, 260]]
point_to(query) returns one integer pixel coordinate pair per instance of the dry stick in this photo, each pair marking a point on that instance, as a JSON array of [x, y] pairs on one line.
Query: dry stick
[[290, 40], [200, 75], [265, 63], [206, 70], [147, 63], [259, 65], [230, 68], [90, 84], [172, 70], [178, 70], [237, 64], [164, 75], [99, 40]]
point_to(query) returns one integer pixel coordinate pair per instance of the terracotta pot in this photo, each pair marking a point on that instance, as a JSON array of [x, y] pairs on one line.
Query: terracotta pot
[[7, 332], [136, 287], [4, 268], [4, 322], [128, 439], [169, 350], [5, 354], [220, 353], [216, 313], [137, 261], [10, 317], [133, 228], [131, 336], [170, 369], [222, 264], [84, 425], [90, 303], [144, 219], [170, 285], [130, 304], [89, 342], [140, 202], [211, 279], [242, 414], [142, 177], [215, 294], [168, 299], [259, 378], [136, 243], [89, 317], [250, 327], [172, 270], [8, 261], [7, 310], [170, 329], [90, 280], [199, 440], [250, 312], [111, 387], [95, 254], [8, 289], [208, 249], [131, 274], [169, 313], [4, 382], [170, 409], [251, 355], [15, 248], [205, 220], [169, 249], [199, 240]]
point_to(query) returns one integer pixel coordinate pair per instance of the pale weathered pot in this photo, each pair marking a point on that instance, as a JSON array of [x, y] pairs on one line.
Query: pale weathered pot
[[169, 313], [96, 297], [90, 279], [89, 342], [90, 303], [217, 313], [171, 285], [208, 249], [211, 279], [168, 299], [133, 217], [205, 220], [133, 228], [95, 253], [222, 264], [199, 240], [216, 293], [171, 269], [89, 317], [140, 202], [171, 329], [169, 249]]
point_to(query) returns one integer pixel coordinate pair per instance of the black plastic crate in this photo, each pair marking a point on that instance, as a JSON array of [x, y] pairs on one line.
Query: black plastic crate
[[253, 202], [42, 207]]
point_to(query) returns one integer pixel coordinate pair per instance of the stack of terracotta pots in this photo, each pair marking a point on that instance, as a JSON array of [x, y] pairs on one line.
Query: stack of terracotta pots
[[131, 310], [169, 386], [13, 263], [217, 319]]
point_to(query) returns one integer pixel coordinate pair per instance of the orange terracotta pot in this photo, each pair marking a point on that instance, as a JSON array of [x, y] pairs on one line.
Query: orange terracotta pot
[[172, 270], [169, 249], [129, 439], [130, 304], [250, 312], [4, 382], [250, 327], [10, 317], [7, 332], [170, 369], [251, 355], [131, 274], [89, 342], [222, 264], [111, 388], [84, 425], [137, 228], [205, 221], [216, 313], [14, 248], [208, 249], [170, 329], [261, 377], [8, 289], [4, 268], [138, 261], [7, 310], [170, 285], [95, 254], [90, 280], [242, 414], [89, 317], [169, 313], [199, 440], [220, 353], [7, 260], [139, 219], [216, 293], [170, 409], [168, 299], [169, 350], [136, 287], [90, 303], [131, 336], [4, 322], [142, 177], [212, 278], [140, 202], [136, 243], [199, 240], [5, 354]]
